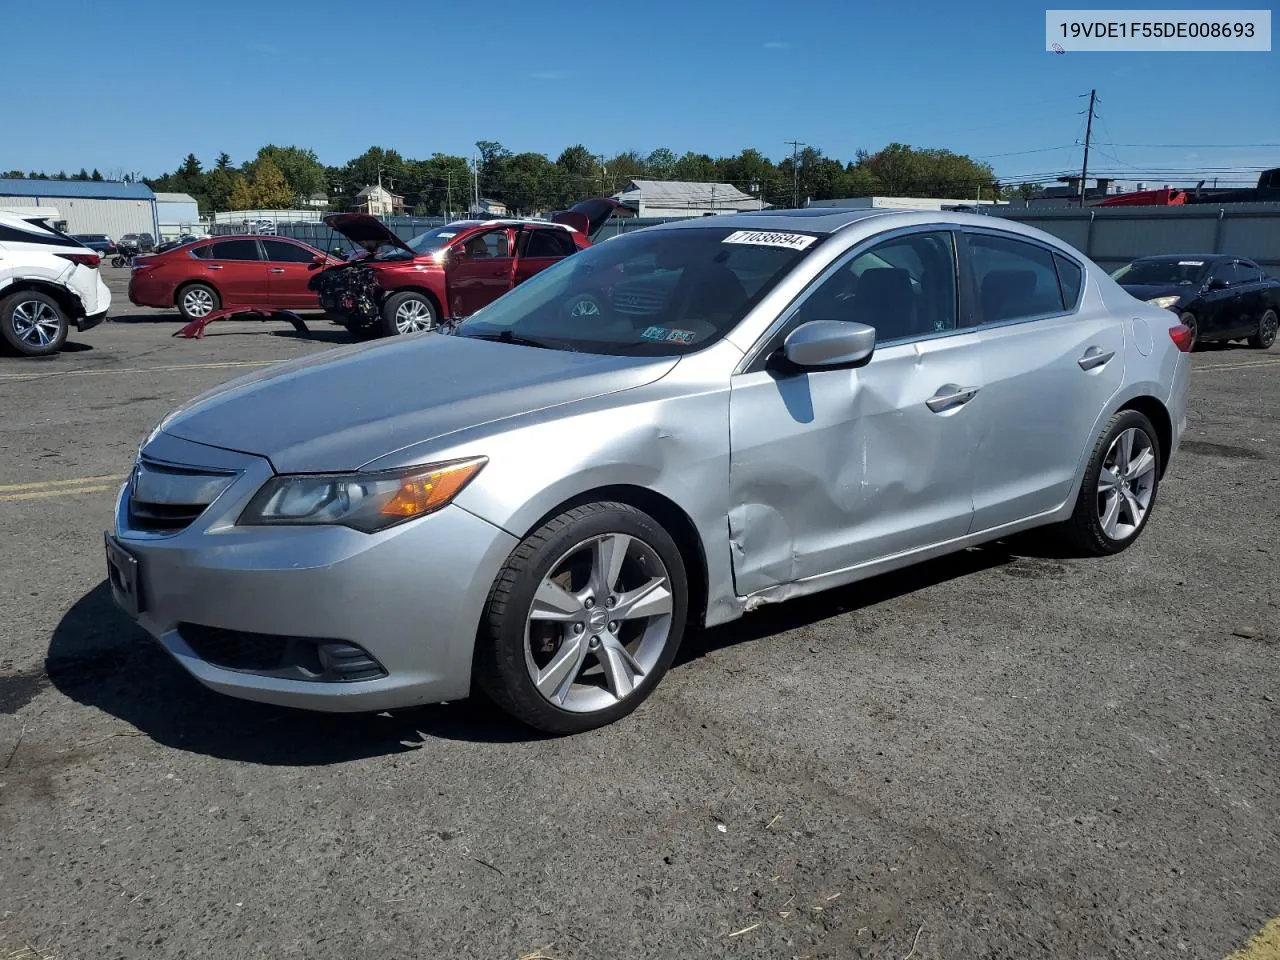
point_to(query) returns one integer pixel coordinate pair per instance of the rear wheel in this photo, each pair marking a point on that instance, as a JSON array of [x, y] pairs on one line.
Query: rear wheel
[[408, 312], [33, 323], [1119, 487], [584, 619], [1266, 335], [197, 300]]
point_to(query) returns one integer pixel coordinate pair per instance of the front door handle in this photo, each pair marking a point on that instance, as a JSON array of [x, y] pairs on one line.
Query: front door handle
[[276, 270], [1095, 357], [213, 266], [949, 395]]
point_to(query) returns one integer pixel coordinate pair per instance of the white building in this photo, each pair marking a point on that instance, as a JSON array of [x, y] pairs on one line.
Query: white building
[[178, 213], [88, 206], [901, 203], [488, 208], [682, 198], [378, 201]]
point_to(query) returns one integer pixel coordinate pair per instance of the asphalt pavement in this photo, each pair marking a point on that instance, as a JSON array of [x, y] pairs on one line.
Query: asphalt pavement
[[1001, 754]]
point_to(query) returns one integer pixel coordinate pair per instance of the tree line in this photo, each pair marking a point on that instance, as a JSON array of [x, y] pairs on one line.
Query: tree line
[[445, 184]]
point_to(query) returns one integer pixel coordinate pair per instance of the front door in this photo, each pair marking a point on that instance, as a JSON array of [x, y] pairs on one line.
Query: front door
[[289, 267], [1050, 366], [1223, 302], [833, 469], [235, 268], [479, 271]]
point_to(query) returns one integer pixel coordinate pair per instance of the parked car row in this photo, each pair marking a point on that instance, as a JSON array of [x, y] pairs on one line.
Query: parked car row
[[655, 434]]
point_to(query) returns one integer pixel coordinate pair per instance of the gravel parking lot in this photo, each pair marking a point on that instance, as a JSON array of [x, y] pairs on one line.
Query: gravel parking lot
[[1003, 754]]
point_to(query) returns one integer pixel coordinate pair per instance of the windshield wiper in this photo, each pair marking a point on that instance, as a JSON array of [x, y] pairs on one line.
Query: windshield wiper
[[506, 336]]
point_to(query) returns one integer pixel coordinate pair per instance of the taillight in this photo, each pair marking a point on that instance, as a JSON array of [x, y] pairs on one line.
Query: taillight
[[1182, 337], [84, 259]]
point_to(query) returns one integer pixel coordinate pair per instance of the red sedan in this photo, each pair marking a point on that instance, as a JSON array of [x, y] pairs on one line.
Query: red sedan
[[233, 271], [448, 272]]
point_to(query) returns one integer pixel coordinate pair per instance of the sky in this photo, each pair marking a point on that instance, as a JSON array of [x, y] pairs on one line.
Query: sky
[[135, 87]]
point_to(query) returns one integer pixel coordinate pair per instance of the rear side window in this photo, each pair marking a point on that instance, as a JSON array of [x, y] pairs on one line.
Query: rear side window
[[1069, 278], [549, 243], [281, 251], [201, 252], [234, 250], [1015, 280]]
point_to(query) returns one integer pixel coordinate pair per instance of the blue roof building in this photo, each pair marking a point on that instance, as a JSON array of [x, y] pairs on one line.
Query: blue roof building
[[88, 206]]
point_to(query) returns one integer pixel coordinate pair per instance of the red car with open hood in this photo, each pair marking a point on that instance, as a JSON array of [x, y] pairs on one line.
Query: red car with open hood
[[448, 272]]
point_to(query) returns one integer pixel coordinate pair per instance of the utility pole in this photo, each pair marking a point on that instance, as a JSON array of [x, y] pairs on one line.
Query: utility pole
[[795, 170], [1088, 135]]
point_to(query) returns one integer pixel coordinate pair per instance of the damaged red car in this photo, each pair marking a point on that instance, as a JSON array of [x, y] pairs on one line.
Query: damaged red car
[[446, 273]]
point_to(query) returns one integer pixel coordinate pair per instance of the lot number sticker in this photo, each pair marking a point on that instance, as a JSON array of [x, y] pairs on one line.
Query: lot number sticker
[[760, 238]]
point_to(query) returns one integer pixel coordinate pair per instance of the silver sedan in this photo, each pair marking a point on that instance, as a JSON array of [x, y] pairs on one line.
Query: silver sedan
[[666, 430]]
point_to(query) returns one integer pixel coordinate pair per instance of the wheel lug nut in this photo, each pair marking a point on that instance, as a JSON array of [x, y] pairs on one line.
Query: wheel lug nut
[[613, 626], [589, 603], [578, 628], [594, 643]]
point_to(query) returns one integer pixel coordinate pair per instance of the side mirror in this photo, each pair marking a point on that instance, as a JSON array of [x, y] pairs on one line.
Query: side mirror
[[1217, 283], [830, 343]]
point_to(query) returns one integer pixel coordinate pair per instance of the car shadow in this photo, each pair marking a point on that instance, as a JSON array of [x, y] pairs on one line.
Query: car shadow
[[97, 657], [75, 346], [130, 318]]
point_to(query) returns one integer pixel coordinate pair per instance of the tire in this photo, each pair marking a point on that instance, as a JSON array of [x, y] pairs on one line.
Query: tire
[[513, 645], [1087, 530], [196, 300], [117, 261], [1189, 320], [33, 323], [1266, 335], [584, 307], [408, 312]]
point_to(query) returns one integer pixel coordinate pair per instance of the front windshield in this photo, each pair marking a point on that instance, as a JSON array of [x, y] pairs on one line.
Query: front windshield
[[434, 240], [660, 292], [1164, 272]]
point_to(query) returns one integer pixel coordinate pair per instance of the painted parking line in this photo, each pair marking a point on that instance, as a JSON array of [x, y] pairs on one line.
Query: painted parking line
[[1264, 945], [131, 370], [69, 487], [1238, 366]]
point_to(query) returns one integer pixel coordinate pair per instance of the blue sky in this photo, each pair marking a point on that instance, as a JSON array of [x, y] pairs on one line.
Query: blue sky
[[136, 86]]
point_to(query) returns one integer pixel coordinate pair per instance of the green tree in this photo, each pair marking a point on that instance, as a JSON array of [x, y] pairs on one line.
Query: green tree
[[218, 184], [301, 168], [269, 189], [660, 164], [15, 175], [96, 176], [223, 162], [241, 196]]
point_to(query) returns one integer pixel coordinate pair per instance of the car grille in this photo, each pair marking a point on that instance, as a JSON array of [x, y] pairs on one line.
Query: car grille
[[639, 299], [289, 658], [164, 498]]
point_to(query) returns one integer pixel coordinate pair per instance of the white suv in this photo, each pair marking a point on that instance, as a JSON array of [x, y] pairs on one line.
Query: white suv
[[48, 281]]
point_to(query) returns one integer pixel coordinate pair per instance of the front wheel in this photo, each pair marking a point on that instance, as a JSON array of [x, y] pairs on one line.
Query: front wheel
[[584, 619], [33, 323], [408, 312], [1119, 487], [1266, 335]]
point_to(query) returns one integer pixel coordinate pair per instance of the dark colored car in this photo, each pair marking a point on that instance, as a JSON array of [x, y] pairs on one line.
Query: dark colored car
[[448, 272], [1218, 297], [232, 271], [99, 242]]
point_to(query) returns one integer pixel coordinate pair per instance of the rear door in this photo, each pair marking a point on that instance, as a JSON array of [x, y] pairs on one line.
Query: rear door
[[1048, 370], [479, 270], [540, 247], [1223, 306], [236, 269], [289, 267]]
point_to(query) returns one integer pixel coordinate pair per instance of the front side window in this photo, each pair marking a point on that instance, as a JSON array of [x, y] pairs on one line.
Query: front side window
[[1015, 280], [488, 245], [235, 250], [1249, 272], [662, 292], [904, 287]]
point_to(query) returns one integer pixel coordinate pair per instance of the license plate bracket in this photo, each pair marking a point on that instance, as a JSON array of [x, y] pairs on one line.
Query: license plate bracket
[[123, 571]]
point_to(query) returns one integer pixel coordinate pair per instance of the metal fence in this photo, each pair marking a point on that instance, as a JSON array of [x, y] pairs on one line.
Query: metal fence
[[1112, 236]]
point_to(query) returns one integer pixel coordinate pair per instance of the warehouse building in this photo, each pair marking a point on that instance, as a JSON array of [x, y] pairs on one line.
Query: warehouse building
[[178, 213], [88, 206], [681, 198]]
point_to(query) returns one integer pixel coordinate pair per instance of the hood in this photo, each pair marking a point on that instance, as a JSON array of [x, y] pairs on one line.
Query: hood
[[589, 216], [361, 227], [1149, 291], [343, 408]]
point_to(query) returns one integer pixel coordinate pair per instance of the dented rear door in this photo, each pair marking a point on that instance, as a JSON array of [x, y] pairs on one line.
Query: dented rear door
[[834, 469]]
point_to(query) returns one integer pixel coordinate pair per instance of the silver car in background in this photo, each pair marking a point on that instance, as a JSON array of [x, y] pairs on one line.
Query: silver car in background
[[666, 430]]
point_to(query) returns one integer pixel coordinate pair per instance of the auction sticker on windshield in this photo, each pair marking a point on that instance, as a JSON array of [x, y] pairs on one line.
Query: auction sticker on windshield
[[761, 238], [668, 334]]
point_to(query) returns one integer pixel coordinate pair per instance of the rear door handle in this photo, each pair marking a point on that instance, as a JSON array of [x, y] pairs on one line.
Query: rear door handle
[[213, 266], [1095, 357], [949, 395]]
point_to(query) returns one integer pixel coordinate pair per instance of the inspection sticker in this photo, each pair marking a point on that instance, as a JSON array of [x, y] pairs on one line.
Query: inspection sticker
[[668, 335], [1191, 263], [761, 238]]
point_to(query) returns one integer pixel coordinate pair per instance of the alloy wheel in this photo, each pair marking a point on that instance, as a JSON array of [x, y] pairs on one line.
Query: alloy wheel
[[35, 322], [413, 316], [197, 302], [599, 623], [1268, 327], [584, 307], [1126, 483]]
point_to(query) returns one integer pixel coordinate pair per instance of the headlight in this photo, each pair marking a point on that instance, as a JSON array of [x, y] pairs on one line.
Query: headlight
[[368, 502], [1164, 302]]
